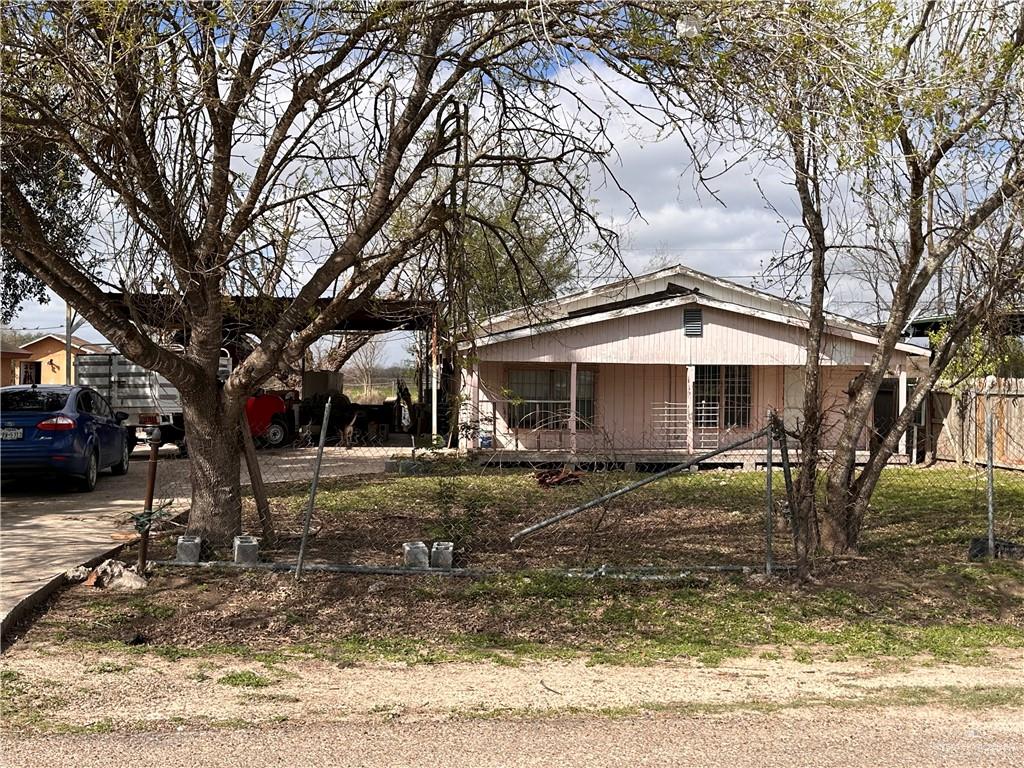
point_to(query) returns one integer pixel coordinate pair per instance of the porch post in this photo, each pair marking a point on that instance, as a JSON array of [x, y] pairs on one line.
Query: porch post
[[902, 400], [572, 409], [691, 414], [474, 404]]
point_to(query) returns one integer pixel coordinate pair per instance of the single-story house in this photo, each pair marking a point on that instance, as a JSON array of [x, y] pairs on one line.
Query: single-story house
[[45, 361], [10, 357], [648, 369]]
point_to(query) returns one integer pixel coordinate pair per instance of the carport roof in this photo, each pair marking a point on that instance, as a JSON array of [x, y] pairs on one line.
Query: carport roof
[[253, 314]]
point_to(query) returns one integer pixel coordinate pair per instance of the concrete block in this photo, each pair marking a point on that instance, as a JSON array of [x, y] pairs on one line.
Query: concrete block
[[408, 467], [415, 555], [441, 554], [189, 549], [247, 549]]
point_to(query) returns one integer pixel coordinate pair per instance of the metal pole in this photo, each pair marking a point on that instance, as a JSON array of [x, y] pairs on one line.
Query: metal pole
[[787, 475], [147, 512], [68, 320], [312, 489], [990, 451], [769, 512], [632, 487], [433, 385]]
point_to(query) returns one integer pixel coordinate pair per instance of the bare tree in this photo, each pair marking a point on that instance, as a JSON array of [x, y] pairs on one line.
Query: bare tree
[[900, 127], [366, 361], [250, 159]]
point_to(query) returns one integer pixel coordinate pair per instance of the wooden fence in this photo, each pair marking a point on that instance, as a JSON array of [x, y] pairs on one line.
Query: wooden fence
[[957, 423]]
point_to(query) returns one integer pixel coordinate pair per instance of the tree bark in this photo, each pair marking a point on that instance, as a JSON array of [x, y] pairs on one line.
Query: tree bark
[[211, 427]]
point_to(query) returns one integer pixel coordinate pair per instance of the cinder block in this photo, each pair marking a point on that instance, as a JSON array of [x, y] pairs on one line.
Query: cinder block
[[415, 555], [189, 549], [247, 549], [441, 554]]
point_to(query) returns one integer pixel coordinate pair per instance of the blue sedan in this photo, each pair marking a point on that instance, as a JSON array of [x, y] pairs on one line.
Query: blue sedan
[[70, 432]]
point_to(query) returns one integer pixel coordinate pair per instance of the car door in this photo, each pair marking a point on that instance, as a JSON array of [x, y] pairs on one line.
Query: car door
[[108, 429], [87, 420]]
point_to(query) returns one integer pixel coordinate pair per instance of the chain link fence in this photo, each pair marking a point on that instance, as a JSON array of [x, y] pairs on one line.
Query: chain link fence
[[379, 493]]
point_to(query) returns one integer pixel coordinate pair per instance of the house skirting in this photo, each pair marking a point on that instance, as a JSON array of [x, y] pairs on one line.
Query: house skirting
[[647, 459]]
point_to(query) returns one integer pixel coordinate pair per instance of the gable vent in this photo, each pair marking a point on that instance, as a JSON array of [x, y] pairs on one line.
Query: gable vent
[[693, 321]]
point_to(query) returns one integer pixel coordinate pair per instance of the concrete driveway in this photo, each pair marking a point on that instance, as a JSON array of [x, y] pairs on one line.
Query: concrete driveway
[[47, 529]]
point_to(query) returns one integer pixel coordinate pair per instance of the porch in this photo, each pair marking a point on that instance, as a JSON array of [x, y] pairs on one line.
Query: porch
[[641, 414]]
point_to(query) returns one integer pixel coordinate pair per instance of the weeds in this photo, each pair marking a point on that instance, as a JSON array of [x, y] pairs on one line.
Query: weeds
[[244, 679]]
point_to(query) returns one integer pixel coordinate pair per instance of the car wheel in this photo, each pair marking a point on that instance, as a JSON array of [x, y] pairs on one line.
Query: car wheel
[[276, 434], [87, 482], [121, 468]]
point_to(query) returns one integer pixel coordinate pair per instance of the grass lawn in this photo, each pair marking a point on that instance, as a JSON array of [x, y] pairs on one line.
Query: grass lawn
[[911, 594]]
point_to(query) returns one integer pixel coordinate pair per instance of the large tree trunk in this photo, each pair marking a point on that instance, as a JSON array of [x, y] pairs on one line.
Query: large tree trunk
[[211, 430]]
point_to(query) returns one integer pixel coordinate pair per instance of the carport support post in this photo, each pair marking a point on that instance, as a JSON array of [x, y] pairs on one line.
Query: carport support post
[[769, 512], [433, 384]]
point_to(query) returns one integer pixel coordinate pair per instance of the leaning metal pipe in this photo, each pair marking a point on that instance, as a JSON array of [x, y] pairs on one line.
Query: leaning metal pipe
[[517, 537], [312, 490], [370, 570], [603, 572]]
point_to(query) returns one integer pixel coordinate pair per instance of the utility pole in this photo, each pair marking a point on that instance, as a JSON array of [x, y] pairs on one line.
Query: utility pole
[[71, 324]]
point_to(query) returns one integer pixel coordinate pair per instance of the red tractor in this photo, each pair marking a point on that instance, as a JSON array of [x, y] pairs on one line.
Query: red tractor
[[270, 419]]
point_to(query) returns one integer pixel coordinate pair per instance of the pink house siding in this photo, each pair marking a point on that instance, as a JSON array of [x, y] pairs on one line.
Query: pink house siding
[[657, 337], [627, 400]]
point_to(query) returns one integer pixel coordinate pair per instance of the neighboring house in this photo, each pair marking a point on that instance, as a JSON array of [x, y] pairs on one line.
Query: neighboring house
[[671, 363], [46, 359], [10, 357]]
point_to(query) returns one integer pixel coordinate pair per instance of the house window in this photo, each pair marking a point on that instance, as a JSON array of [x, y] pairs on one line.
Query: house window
[[736, 397], [722, 396], [32, 372], [706, 396], [541, 398]]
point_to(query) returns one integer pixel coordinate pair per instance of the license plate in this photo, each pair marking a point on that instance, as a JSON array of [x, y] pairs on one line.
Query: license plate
[[10, 433]]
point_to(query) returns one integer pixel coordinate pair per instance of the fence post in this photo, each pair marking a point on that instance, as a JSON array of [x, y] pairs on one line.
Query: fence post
[[312, 490], [769, 512], [990, 460]]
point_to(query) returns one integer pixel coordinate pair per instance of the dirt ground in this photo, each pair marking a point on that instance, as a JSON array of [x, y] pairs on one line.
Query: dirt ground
[[85, 707], [128, 692]]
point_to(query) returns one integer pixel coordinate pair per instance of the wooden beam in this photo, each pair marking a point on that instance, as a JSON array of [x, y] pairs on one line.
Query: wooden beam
[[259, 490]]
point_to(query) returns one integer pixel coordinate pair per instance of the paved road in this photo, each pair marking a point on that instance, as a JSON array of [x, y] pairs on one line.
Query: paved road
[[822, 737], [46, 529]]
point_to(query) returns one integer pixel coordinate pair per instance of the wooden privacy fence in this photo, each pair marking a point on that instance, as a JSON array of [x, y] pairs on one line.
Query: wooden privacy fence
[[958, 423]]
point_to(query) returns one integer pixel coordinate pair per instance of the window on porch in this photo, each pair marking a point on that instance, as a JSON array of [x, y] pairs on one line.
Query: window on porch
[[542, 398], [725, 390]]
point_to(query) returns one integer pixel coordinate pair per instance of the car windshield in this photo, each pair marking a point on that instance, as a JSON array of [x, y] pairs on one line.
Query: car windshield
[[32, 400]]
